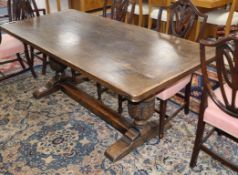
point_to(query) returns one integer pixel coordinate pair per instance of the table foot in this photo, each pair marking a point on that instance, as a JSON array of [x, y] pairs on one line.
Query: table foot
[[132, 139], [53, 84], [50, 87], [137, 135]]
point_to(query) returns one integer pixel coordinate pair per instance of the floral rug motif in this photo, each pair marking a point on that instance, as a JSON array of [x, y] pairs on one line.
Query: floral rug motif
[[55, 135]]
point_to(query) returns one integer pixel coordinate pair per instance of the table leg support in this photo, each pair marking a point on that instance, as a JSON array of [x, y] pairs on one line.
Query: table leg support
[[137, 135], [53, 84]]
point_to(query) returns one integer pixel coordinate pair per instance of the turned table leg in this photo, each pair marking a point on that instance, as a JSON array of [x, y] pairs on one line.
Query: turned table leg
[[53, 84], [137, 135]]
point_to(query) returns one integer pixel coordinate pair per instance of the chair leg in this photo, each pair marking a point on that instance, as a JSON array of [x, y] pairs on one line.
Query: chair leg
[[29, 61], [219, 132], [163, 105], [187, 98], [126, 19], [141, 20], [120, 101], [197, 143], [150, 22], [73, 73], [21, 61], [44, 64], [32, 54], [99, 91]]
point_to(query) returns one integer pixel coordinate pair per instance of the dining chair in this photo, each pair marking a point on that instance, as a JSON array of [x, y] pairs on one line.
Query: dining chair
[[119, 12], [141, 10], [182, 20], [224, 17], [154, 8], [18, 4], [219, 108], [10, 46]]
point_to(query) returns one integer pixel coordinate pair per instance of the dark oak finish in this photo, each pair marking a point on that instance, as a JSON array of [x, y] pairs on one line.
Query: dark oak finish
[[151, 60], [226, 74], [134, 62]]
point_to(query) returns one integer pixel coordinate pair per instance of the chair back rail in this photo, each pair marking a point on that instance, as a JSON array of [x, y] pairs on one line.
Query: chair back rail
[[119, 10], [183, 17], [227, 69]]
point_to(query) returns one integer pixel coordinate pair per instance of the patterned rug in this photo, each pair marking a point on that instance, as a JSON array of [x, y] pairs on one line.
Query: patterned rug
[[55, 135]]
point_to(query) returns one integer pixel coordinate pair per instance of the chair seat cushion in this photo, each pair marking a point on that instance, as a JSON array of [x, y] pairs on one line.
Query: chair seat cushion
[[216, 117], [145, 9], [155, 12], [10, 46], [220, 16], [171, 91]]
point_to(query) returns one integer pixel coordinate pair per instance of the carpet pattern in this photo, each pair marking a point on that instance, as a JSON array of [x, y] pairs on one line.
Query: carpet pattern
[[55, 135]]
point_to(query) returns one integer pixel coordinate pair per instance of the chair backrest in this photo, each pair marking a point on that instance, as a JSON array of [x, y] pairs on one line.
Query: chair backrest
[[119, 10], [183, 17], [226, 60], [22, 9]]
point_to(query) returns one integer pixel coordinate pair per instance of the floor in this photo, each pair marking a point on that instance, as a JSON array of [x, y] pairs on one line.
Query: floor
[[55, 135]]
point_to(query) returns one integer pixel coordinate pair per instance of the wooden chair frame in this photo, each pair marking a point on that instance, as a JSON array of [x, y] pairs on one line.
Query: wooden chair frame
[[223, 51], [160, 4], [20, 10], [119, 10], [185, 14]]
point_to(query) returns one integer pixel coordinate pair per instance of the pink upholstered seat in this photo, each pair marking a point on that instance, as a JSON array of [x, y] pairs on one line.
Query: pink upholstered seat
[[10, 46], [171, 91], [216, 117]]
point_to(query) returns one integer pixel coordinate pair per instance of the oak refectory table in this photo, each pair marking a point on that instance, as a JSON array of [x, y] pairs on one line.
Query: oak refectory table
[[134, 62]]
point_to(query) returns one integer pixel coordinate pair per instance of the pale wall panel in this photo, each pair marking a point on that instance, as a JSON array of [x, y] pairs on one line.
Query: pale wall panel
[[53, 6]]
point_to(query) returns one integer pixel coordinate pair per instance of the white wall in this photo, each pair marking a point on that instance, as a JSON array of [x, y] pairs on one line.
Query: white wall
[[53, 6]]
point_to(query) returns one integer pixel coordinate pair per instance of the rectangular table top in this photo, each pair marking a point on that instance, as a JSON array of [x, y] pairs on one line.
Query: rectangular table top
[[133, 61]]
